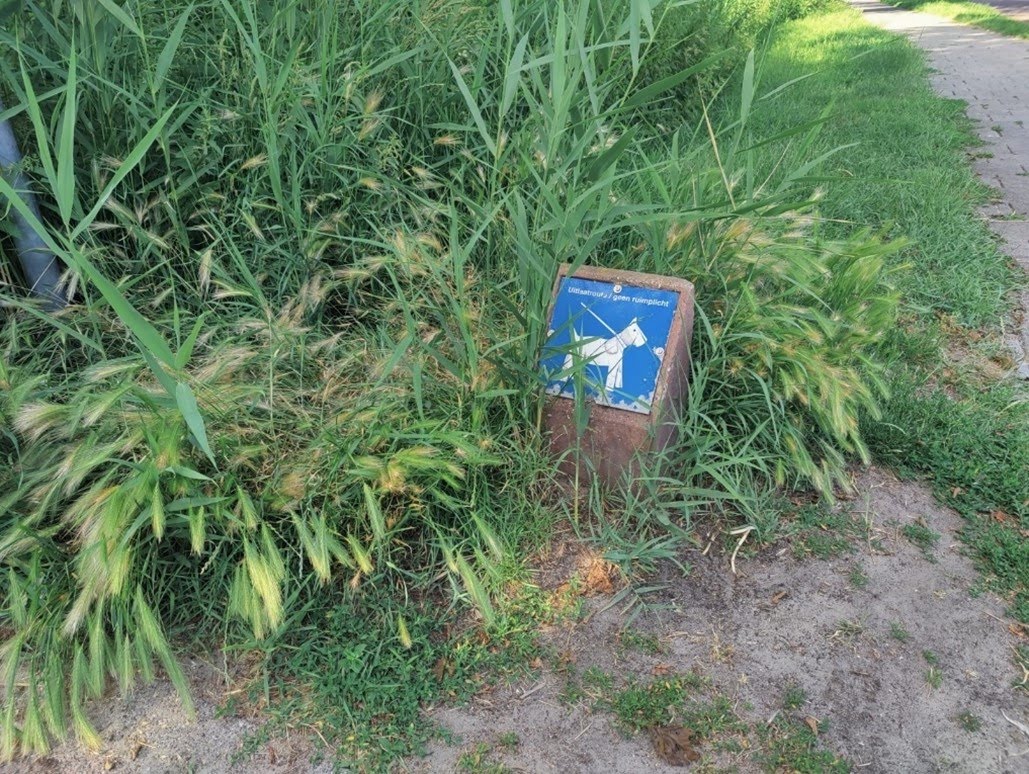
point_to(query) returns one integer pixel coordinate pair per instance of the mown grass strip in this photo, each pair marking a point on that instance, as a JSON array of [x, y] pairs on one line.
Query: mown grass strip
[[947, 419], [977, 14], [906, 171]]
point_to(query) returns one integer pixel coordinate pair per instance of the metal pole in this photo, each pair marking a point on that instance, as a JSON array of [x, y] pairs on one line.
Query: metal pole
[[40, 266]]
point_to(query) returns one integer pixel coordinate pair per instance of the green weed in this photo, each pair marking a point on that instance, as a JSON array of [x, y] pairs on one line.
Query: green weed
[[823, 532], [366, 680], [792, 746], [594, 685], [508, 739], [365, 685], [725, 31], [857, 577], [970, 722], [689, 700], [847, 631], [794, 698], [923, 538], [635, 639], [640, 706], [478, 761], [974, 452], [1022, 662], [713, 717], [898, 632], [933, 675], [874, 97]]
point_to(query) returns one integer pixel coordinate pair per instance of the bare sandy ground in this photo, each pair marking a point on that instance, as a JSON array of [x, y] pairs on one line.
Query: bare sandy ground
[[782, 622], [151, 733]]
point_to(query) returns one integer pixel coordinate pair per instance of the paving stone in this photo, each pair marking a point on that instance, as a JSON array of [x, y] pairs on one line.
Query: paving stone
[[1014, 235]]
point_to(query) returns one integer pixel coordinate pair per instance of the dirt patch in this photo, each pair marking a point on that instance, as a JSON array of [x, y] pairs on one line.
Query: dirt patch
[[151, 733], [886, 654], [902, 666]]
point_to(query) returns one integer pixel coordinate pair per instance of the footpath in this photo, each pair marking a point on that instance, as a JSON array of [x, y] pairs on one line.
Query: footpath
[[991, 73]]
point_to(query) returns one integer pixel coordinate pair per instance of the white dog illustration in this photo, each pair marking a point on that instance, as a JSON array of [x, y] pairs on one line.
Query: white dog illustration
[[606, 353]]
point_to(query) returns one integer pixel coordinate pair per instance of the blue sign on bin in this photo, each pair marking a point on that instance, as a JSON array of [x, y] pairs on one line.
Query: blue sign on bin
[[610, 336]]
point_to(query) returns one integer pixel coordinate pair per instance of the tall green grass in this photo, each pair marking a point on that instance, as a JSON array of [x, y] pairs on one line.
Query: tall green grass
[[312, 248]]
